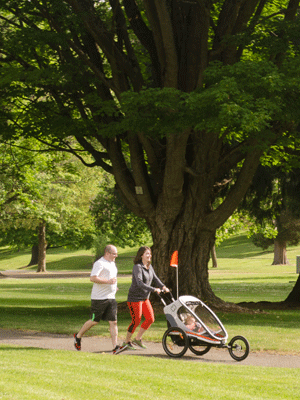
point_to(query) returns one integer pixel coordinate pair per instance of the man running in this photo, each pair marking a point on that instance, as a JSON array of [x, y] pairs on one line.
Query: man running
[[103, 302]]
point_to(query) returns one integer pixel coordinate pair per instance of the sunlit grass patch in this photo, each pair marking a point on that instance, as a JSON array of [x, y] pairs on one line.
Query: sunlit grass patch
[[30, 374]]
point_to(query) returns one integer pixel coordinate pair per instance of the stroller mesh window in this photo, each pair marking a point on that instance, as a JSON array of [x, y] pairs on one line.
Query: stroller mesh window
[[204, 316]]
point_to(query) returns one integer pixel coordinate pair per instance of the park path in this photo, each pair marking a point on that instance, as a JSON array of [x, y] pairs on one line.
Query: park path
[[95, 344]]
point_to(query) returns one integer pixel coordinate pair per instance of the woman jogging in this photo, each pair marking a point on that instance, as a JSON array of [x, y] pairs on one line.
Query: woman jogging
[[144, 281]]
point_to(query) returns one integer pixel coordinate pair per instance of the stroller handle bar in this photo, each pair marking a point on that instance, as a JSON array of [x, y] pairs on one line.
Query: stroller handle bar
[[163, 296]]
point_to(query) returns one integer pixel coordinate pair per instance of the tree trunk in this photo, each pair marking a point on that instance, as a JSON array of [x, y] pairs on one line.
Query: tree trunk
[[42, 248], [194, 243], [280, 256], [34, 255], [193, 257], [214, 257], [294, 296]]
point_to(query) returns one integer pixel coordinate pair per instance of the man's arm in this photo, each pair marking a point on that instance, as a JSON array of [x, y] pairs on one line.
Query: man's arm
[[96, 279]]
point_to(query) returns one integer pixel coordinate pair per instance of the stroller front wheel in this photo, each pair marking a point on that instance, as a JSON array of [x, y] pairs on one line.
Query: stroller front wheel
[[175, 342], [239, 348]]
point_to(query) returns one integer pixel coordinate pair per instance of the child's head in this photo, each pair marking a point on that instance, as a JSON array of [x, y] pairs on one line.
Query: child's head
[[190, 321]]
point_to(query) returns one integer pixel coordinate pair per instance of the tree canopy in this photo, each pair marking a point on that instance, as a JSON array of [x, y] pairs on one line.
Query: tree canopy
[[178, 99]]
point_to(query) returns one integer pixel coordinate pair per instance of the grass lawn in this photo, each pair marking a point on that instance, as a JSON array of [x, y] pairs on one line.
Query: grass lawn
[[244, 273], [31, 374]]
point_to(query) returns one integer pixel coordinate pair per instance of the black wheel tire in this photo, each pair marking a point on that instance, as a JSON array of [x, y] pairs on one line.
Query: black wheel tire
[[175, 342], [239, 348], [198, 348]]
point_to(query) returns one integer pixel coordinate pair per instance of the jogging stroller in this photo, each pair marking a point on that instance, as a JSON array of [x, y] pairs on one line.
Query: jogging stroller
[[193, 325]]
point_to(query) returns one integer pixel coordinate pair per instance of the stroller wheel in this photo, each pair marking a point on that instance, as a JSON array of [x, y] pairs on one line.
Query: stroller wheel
[[199, 348], [239, 348], [175, 342]]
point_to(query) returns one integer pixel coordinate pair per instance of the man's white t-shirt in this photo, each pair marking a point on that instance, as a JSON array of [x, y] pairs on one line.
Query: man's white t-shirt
[[104, 270]]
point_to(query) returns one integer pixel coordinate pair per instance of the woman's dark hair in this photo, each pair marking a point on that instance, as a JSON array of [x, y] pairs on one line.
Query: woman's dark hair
[[140, 252]]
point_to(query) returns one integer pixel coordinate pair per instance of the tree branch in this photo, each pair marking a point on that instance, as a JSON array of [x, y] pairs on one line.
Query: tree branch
[[119, 61], [123, 176], [159, 19], [145, 36]]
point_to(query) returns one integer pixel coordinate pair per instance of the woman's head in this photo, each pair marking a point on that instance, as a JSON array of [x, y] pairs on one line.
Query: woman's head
[[140, 253]]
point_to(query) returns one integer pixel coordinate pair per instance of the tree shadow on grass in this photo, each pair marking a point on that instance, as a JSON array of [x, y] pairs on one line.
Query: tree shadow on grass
[[73, 263], [239, 247]]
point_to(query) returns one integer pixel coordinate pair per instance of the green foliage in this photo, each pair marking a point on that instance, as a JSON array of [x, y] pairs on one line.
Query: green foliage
[[99, 244], [260, 240], [114, 221], [41, 186], [74, 203], [231, 227], [272, 203]]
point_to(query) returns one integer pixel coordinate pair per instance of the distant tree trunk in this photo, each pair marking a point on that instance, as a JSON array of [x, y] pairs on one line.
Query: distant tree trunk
[[213, 254], [280, 256], [294, 296], [34, 255], [42, 248]]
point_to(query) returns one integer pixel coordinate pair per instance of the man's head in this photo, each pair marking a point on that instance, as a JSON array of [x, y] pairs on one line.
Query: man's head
[[110, 253]]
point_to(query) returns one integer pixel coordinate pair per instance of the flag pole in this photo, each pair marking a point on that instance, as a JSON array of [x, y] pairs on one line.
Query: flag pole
[[177, 282], [174, 263]]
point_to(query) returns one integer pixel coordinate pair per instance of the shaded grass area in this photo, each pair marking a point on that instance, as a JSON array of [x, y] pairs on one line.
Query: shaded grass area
[[63, 260], [30, 374], [239, 246]]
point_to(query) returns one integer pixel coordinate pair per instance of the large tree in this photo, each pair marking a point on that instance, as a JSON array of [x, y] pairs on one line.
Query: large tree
[[177, 99]]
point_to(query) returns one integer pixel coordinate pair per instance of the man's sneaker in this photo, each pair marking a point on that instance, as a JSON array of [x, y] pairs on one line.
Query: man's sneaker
[[119, 349], [129, 346], [139, 343], [77, 342]]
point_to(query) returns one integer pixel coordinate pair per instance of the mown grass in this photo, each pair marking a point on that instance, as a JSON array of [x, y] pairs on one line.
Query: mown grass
[[30, 374]]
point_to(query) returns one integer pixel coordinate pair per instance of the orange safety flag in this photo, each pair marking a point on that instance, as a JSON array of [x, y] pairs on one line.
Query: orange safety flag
[[174, 259]]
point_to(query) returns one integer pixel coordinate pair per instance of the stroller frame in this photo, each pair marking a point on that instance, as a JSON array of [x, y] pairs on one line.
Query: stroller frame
[[193, 325]]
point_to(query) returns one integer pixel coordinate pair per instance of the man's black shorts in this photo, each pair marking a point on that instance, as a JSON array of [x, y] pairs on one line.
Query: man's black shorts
[[104, 309]]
